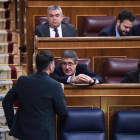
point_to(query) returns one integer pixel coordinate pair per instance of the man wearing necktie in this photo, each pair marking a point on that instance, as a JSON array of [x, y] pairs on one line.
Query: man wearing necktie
[[55, 27]]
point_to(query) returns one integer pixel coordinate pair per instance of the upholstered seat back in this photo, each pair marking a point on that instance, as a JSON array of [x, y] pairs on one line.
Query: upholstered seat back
[[92, 25], [116, 68], [127, 125], [43, 19], [83, 61], [84, 124]]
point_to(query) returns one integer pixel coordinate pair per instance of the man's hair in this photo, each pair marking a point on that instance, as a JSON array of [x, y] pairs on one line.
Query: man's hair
[[70, 54], [54, 7], [126, 15], [43, 60]]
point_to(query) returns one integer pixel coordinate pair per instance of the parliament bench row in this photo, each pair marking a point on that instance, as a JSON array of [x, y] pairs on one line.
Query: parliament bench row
[[92, 25], [115, 68], [90, 124]]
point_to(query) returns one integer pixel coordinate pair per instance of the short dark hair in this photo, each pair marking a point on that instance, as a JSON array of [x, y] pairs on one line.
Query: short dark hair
[[43, 60], [54, 7], [138, 64], [70, 54], [126, 15]]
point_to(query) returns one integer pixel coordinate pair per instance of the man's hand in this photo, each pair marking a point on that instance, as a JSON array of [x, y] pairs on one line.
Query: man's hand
[[82, 78]]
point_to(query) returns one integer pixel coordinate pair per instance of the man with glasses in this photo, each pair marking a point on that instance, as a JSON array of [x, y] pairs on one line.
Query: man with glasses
[[70, 71]]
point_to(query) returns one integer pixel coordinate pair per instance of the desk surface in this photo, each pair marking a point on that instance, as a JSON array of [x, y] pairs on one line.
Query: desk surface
[[103, 90]]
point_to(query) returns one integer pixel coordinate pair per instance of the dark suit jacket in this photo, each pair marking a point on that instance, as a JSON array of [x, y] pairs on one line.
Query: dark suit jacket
[[68, 30], [110, 31], [131, 77], [136, 30], [40, 97], [80, 69]]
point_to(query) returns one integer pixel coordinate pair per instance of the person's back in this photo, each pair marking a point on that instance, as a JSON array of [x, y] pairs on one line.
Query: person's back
[[40, 97]]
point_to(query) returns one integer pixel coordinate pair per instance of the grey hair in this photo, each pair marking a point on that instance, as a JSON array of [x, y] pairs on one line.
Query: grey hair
[[54, 7], [70, 54]]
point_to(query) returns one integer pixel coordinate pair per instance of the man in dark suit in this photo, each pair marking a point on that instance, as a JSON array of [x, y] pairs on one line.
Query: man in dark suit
[[136, 30], [40, 97], [55, 17], [70, 71], [122, 27]]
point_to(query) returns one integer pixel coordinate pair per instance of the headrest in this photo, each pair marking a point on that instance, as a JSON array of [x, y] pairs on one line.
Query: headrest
[[119, 67], [127, 122], [42, 19], [84, 120], [92, 25]]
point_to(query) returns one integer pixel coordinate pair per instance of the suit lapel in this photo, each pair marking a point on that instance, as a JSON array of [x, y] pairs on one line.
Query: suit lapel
[[64, 30], [47, 31]]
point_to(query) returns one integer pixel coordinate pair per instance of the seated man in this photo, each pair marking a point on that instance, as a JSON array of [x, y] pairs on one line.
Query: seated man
[[136, 30], [122, 27], [55, 27], [70, 71]]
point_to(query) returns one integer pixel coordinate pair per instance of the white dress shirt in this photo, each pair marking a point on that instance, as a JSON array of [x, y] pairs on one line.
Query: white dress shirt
[[69, 81], [52, 32]]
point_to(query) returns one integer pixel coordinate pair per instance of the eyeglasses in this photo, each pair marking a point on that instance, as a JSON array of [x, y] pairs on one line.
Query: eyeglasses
[[69, 64]]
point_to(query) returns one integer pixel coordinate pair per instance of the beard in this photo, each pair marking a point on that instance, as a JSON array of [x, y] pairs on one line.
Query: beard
[[120, 31]]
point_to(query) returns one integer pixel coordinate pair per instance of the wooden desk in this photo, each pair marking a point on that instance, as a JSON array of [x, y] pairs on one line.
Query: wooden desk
[[108, 97], [91, 47]]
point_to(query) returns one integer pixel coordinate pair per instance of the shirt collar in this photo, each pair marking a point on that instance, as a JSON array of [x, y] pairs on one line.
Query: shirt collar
[[117, 34], [59, 28]]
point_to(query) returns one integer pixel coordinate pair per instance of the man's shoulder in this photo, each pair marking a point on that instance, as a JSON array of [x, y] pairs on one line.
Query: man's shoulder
[[136, 26], [41, 26], [67, 25], [58, 66], [136, 30], [133, 72], [81, 65], [108, 30]]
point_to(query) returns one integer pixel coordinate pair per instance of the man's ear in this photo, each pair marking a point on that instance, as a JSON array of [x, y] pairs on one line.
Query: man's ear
[[50, 66], [118, 22]]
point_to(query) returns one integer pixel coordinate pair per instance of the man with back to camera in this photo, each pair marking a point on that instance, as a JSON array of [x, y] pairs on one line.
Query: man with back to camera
[[40, 97], [122, 27], [55, 27], [70, 71]]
